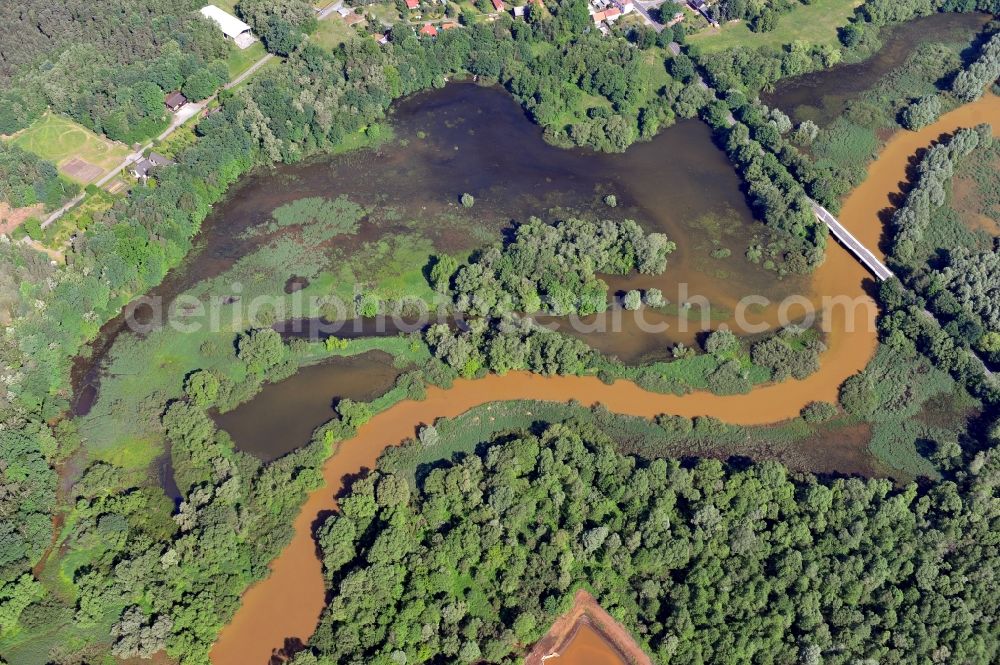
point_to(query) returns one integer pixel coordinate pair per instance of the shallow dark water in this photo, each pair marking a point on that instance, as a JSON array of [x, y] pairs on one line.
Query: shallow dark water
[[467, 138], [822, 96], [283, 415]]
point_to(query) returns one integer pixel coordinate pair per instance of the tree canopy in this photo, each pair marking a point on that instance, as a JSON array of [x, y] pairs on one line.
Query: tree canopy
[[700, 562], [554, 267]]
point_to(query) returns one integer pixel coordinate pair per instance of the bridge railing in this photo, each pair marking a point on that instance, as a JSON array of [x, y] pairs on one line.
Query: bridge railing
[[852, 244]]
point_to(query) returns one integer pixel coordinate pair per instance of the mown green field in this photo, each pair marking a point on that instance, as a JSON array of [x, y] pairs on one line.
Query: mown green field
[[332, 32], [239, 60], [815, 23], [58, 139]]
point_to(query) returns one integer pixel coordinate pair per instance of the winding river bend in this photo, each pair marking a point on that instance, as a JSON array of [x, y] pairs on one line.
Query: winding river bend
[[286, 606]]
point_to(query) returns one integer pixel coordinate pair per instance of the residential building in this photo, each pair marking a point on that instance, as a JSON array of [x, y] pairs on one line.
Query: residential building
[[428, 30], [702, 7], [174, 101], [141, 168], [609, 15]]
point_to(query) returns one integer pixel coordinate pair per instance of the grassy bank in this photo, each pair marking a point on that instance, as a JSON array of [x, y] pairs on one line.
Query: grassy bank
[[816, 23], [666, 437]]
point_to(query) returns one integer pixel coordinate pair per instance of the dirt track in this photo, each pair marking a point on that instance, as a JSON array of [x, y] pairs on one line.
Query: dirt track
[[10, 218]]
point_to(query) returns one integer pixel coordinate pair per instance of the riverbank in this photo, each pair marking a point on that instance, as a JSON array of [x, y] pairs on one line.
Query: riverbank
[[867, 210], [287, 604]]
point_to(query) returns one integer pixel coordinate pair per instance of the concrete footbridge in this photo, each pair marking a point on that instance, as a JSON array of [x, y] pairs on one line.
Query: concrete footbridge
[[852, 244]]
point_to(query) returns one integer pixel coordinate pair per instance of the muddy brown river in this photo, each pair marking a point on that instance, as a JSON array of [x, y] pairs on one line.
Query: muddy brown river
[[288, 603]]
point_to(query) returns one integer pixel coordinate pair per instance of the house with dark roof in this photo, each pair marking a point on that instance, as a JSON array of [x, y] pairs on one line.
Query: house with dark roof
[[140, 169], [174, 100], [701, 6]]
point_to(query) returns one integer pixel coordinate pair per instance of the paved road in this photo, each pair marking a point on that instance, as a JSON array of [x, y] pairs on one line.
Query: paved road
[[242, 77], [644, 7], [329, 9], [187, 112], [182, 115]]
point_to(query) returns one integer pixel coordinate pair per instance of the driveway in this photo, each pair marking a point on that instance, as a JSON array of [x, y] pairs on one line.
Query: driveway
[[329, 9]]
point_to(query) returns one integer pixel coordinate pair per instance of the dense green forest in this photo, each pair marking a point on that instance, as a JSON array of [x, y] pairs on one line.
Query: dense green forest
[[107, 64], [553, 268], [911, 221], [314, 102], [144, 576], [971, 278], [704, 562], [944, 267], [984, 71], [26, 179]]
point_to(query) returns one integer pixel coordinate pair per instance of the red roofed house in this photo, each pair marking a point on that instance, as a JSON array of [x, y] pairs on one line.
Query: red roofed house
[[429, 30], [498, 5], [609, 15], [451, 25], [412, 4]]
